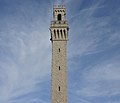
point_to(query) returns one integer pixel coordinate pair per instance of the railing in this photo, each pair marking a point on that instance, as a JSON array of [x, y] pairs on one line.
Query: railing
[[59, 23]]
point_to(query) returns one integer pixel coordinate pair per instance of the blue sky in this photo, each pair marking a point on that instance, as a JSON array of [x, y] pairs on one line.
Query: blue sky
[[93, 51]]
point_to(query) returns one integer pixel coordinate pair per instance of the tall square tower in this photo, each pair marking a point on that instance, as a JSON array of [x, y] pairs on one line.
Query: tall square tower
[[59, 38]]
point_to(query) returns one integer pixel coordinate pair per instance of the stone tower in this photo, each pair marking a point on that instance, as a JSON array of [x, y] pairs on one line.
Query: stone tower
[[59, 38]]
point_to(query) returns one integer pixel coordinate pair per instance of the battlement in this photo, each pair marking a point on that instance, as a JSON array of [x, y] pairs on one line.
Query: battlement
[[59, 6]]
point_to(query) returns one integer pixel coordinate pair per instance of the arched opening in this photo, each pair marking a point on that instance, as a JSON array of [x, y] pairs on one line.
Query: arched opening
[[59, 17], [54, 33], [64, 34], [58, 33], [61, 34]]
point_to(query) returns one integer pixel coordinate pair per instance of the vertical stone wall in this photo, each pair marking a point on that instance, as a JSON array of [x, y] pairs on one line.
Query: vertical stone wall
[[59, 72]]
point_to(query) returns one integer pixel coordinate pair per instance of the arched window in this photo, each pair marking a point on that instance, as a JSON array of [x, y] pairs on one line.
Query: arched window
[[61, 33], [54, 33], [58, 33], [59, 17], [64, 33]]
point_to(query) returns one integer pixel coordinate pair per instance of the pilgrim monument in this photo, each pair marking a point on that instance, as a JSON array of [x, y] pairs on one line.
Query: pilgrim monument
[[59, 37]]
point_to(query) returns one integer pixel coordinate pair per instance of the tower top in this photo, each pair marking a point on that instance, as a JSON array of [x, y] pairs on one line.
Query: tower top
[[59, 13], [59, 25]]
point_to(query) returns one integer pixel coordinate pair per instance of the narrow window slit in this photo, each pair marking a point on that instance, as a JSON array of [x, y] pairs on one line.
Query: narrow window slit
[[59, 67], [59, 49], [59, 88]]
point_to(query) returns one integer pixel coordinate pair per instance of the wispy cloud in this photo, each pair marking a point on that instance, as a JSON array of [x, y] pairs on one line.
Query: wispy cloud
[[93, 32], [102, 79], [25, 51], [93, 51]]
